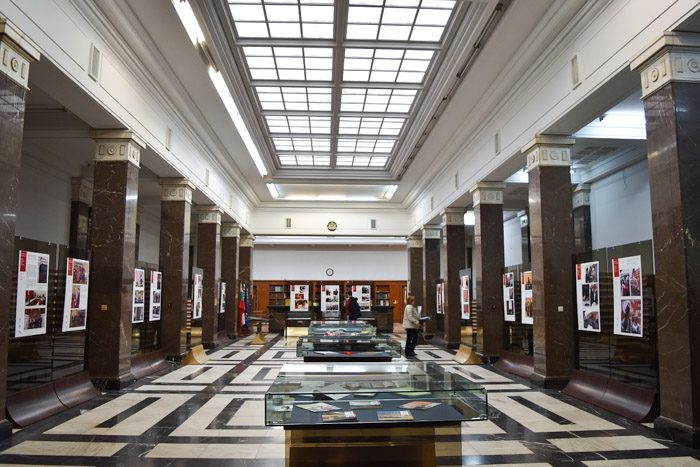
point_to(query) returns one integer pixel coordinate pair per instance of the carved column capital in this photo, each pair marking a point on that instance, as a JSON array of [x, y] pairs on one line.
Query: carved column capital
[[247, 241], [230, 230], [582, 195], [487, 193], [176, 189], [548, 151], [452, 216], [17, 51], [118, 145], [209, 214], [81, 190], [414, 241], [431, 232]]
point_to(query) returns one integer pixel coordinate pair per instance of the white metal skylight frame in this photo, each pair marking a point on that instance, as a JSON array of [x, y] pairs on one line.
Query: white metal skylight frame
[[366, 86]]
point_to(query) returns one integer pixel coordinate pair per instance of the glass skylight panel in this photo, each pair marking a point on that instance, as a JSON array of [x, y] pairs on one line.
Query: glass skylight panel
[[381, 65], [365, 145], [298, 124], [283, 19], [302, 144], [363, 160], [370, 126], [304, 160], [290, 63], [376, 100]]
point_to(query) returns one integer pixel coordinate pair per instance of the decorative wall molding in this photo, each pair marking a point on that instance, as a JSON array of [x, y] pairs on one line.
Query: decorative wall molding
[[81, 190], [118, 146], [230, 230], [548, 151], [487, 193], [209, 215], [432, 232], [582, 195], [17, 51], [176, 189], [672, 57], [414, 242], [453, 216], [246, 241]]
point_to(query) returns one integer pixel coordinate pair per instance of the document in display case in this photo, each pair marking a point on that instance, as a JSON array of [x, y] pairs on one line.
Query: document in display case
[[359, 349], [341, 329]]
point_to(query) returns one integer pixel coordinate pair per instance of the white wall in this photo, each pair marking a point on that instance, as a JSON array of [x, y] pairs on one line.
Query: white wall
[[512, 242], [621, 208], [302, 262], [149, 233], [43, 202]]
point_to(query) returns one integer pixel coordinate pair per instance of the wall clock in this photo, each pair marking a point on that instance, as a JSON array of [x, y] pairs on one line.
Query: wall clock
[[332, 226], [330, 272]]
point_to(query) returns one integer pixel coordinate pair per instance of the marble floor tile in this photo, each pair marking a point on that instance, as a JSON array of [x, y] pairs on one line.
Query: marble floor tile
[[606, 443], [171, 388], [207, 374], [66, 448], [477, 374], [217, 451], [654, 462]]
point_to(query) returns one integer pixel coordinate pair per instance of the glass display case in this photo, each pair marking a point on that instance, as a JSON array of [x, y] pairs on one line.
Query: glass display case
[[371, 394], [359, 348], [341, 329]]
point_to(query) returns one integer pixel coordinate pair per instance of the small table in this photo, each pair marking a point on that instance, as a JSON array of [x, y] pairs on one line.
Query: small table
[[259, 338]]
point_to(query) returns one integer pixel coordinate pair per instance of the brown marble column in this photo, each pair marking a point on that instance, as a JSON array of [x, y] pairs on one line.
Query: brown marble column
[[551, 236], [487, 267], [209, 259], [454, 255], [14, 71], [113, 241], [230, 235], [415, 268], [431, 274], [670, 71], [81, 202], [581, 201], [174, 259], [245, 265]]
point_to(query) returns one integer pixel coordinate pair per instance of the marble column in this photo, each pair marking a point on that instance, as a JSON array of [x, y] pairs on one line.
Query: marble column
[[670, 72], [113, 241], [431, 274], [552, 242], [245, 263], [487, 267], [174, 259], [415, 268], [454, 244], [18, 52], [230, 235], [581, 203], [209, 259], [81, 202], [524, 238]]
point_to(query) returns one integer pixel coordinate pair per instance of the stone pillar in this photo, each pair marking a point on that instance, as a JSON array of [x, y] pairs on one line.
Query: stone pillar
[[431, 274], [581, 203], [230, 235], [113, 242], [415, 268], [524, 237], [209, 259], [487, 266], [552, 242], [81, 202], [454, 240], [17, 52], [174, 259], [670, 71], [245, 263]]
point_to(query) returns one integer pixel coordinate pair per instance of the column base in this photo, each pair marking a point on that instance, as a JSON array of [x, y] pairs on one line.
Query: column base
[[549, 382], [678, 432], [122, 382], [5, 429]]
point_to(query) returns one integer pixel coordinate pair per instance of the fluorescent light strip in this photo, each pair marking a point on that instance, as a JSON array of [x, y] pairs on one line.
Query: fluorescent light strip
[[322, 239], [390, 191], [272, 188], [189, 21]]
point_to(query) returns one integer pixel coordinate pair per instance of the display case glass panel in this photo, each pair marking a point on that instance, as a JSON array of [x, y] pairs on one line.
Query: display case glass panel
[[341, 329], [350, 348]]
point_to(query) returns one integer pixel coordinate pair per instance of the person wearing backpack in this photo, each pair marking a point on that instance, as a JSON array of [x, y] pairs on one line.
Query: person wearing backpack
[[354, 311]]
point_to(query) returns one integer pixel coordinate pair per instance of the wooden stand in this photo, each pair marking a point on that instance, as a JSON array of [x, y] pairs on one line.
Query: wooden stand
[[259, 338]]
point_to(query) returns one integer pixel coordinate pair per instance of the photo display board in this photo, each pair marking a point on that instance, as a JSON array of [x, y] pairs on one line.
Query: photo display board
[[32, 293], [526, 297], [138, 296], [588, 296], [299, 297], [627, 296], [222, 298], [464, 283], [197, 296], [509, 296], [75, 304], [156, 288], [363, 293], [330, 301], [440, 298]]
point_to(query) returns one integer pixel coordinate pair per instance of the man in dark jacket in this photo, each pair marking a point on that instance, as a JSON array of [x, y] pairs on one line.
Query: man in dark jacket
[[354, 312]]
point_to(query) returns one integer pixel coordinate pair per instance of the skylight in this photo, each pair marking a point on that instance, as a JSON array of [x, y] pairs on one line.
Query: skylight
[[280, 19]]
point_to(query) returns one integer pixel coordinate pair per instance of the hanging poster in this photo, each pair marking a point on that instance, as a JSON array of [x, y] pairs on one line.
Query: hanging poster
[[75, 302], [300, 298], [440, 298], [465, 297], [587, 296], [627, 296], [526, 297], [330, 301], [138, 296], [32, 293], [222, 298], [364, 297], [156, 292], [509, 296], [197, 296]]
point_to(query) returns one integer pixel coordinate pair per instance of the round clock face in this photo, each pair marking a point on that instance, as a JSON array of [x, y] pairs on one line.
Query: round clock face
[[332, 226], [329, 272]]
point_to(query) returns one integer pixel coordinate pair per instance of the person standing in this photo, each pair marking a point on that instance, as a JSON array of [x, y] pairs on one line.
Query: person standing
[[411, 323], [355, 312]]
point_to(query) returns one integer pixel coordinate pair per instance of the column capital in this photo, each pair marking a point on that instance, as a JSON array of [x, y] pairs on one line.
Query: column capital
[[81, 190], [246, 241], [118, 145], [487, 193], [672, 57], [549, 151], [453, 216], [431, 232], [414, 241], [176, 189], [524, 220], [209, 214], [230, 230], [582, 195], [17, 51]]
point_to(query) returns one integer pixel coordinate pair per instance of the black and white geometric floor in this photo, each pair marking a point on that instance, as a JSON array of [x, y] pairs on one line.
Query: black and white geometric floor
[[213, 414]]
